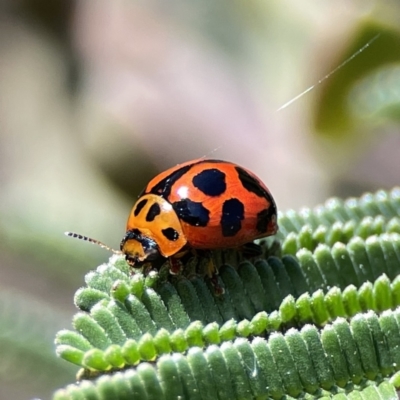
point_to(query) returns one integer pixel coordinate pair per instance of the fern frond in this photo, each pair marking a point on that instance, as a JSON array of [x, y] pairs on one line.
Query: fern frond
[[382, 203], [321, 320], [342, 357]]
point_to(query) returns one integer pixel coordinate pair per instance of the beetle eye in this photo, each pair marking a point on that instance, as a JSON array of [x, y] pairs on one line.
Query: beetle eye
[[150, 249]]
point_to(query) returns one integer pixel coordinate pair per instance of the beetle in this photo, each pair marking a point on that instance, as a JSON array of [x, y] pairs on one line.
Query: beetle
[[202, 204]]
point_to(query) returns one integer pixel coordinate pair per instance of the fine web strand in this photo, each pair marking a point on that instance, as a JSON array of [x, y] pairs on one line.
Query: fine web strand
[[354, 55], [207, 156]]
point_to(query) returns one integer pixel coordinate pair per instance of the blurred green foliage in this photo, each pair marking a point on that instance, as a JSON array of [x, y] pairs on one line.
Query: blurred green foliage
[[338, 112]]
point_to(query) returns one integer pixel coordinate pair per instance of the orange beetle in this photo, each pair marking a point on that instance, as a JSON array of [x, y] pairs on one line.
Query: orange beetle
[[201, 204]]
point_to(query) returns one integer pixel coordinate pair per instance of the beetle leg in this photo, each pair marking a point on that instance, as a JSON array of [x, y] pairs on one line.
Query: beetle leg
[[210, 270], [175, 263]]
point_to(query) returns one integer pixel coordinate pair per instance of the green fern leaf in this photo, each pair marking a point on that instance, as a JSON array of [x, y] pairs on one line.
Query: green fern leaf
[[320, 320]]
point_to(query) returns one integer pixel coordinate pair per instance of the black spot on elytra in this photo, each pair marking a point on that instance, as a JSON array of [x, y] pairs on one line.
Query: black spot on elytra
[[210, 181], [263, 219], [153, 212], [170, 234], [139, 207], [232, 215], [192, 212], [163, 188], [251, 184]]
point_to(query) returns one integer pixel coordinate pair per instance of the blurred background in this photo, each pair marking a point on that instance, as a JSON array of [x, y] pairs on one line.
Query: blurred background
[[96, 97]]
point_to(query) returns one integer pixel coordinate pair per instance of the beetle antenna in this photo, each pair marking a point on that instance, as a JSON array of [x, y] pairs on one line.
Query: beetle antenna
[[94, 241]]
